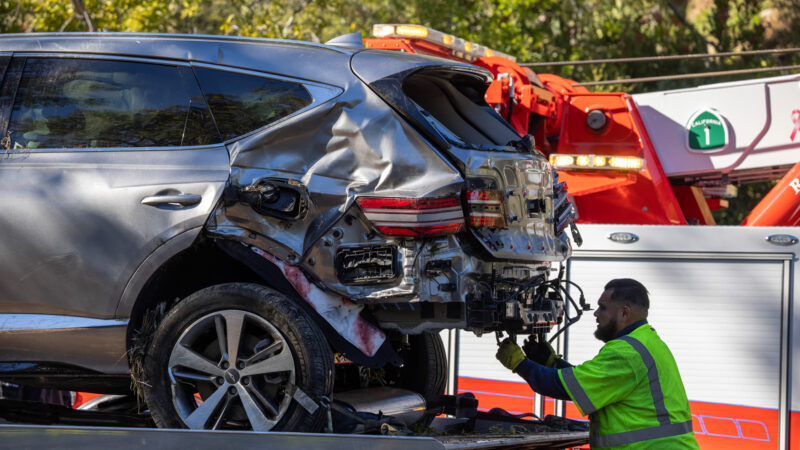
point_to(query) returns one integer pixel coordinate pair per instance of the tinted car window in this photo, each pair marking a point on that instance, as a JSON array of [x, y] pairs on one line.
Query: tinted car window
[[242, 103], [11, 73], [74, 103]]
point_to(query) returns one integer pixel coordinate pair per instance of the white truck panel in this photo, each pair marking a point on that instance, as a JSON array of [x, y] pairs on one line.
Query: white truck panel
[[721, 319], [477, 359], [759, 114]]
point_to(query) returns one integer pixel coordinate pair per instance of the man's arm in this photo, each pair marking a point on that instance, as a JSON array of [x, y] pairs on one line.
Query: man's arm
[[561, 364], [541, 379]]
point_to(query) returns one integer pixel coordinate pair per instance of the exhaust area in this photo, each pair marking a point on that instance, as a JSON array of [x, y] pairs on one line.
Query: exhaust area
[[406, 406]]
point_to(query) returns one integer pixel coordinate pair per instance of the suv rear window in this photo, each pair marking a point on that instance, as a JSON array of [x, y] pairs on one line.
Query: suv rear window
[[79, 103], [242, 103], [456, 102]]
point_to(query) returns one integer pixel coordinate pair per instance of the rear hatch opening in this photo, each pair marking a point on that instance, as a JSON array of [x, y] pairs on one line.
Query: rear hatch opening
[[454, 102], [513, 202]]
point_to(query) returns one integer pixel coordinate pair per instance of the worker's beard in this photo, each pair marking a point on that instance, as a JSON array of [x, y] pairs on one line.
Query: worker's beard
[[607, 332]]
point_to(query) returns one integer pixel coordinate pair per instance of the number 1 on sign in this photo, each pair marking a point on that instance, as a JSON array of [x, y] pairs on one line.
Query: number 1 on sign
[[708, 135]]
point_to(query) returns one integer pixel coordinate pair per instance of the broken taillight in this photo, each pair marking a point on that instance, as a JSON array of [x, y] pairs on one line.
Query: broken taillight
[[414, 217], [486, 208]]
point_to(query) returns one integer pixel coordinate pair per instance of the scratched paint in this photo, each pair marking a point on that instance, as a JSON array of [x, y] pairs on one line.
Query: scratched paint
[[343, 315]]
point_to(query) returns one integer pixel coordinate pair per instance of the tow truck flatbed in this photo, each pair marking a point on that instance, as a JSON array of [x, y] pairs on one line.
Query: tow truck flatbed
[[83, 437], [34, 425]]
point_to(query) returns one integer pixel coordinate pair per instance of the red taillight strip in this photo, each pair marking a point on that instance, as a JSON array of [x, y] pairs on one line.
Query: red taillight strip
[[436, 230], [408, 203], [414, 216]]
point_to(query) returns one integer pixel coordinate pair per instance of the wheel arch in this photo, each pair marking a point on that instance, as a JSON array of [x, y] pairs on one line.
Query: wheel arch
[[191, 261]]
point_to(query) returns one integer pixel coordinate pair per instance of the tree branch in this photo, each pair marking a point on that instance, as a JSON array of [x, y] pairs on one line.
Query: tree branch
[[299, 8], [80, 11], [66, 23]]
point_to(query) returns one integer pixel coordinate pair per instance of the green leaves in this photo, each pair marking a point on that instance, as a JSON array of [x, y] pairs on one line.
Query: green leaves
[[532, 30]]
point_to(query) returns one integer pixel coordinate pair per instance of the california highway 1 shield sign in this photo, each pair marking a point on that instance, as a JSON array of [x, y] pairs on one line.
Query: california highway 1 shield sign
[[707, 131]]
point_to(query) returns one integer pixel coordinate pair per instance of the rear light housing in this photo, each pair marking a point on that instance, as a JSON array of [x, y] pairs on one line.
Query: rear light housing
[[486, 208], [414, 217]]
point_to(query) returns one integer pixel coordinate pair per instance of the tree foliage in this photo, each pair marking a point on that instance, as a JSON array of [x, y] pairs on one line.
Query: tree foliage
[[531, 30]]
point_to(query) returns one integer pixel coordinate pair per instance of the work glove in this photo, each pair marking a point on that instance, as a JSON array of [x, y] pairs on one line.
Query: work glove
[[509, 354], [540, 352]]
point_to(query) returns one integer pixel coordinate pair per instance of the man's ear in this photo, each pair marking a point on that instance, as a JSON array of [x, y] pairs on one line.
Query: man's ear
[[625, 311]]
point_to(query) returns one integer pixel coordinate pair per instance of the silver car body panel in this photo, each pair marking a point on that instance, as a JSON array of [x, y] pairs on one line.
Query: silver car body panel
[[150, 265], [14, 323], [101, 349], [287, 58], [353, 145], [96, 344], [80, 229], [373, 65]]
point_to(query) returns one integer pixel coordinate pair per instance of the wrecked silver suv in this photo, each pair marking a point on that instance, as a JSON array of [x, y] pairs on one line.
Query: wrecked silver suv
[[246, 227]]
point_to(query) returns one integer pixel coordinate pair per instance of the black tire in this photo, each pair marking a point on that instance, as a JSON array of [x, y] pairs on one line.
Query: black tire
[[425, 369], [255, 394]]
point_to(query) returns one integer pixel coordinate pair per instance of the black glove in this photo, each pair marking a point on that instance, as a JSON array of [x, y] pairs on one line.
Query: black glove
[[540, 352]]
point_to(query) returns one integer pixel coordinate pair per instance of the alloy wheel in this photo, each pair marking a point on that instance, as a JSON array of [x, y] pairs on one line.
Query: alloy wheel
[[231, 369]]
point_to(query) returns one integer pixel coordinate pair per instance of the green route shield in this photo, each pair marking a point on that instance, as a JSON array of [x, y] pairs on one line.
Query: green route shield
[[707, 131]]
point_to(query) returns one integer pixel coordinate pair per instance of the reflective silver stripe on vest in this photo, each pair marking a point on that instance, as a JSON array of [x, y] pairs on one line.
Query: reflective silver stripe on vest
[[577, 391], [629, 437], [652, 375]]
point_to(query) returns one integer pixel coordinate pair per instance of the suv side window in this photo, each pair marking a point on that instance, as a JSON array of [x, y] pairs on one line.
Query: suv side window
[[242, 103], [88, 103]]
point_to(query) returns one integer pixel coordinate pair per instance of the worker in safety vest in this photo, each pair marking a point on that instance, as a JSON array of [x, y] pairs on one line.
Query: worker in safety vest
[[632, 390]]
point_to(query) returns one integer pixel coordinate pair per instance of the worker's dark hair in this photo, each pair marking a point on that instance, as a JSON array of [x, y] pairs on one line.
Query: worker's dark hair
[[629, 291]]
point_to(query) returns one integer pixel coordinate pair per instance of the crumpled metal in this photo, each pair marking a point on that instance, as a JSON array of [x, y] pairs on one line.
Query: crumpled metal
[[353, 144]]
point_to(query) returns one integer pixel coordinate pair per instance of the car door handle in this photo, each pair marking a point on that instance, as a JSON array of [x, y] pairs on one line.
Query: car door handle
[[174, 199]]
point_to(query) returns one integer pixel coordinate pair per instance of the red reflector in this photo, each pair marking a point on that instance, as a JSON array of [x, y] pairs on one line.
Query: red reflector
[[414, 217], [486, 208], [409, 203], [434, 230]]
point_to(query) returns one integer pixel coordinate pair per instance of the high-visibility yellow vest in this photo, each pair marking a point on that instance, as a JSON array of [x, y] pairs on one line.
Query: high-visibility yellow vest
[[633, 394]]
